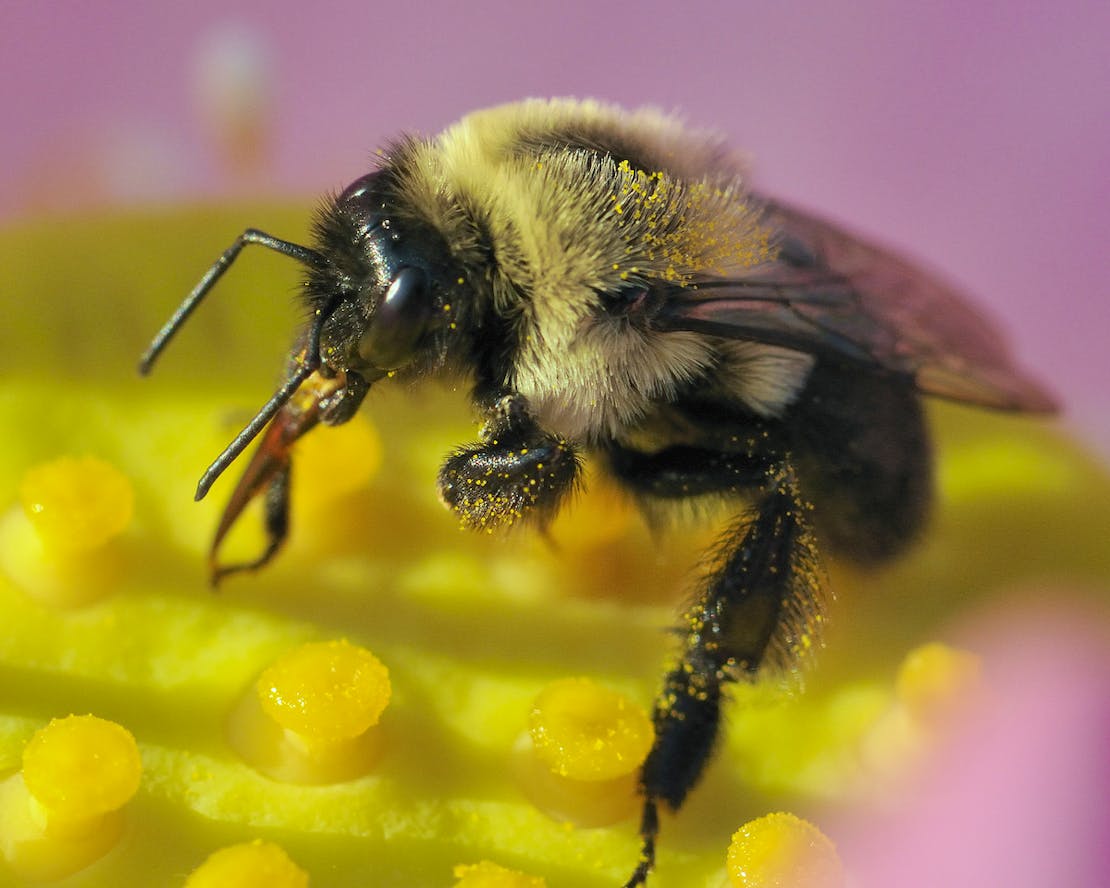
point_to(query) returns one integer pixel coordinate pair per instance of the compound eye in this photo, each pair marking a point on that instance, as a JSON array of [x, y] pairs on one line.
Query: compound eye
[[400, 321]]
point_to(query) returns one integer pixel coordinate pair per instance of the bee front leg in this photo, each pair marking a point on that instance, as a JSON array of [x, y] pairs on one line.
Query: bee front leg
[[275, 521], [759, 605], [268, 473], [516, 471]]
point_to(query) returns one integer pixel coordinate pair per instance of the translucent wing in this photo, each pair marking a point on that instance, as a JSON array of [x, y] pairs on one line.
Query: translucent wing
[[831, 294]]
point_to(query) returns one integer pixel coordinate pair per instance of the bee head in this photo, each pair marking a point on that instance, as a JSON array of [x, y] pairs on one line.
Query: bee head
[[382, 289], [377, 287]]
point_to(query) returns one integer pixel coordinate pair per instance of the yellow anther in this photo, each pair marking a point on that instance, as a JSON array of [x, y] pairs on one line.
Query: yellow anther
[[327, 691], [311, 716], [251, 863], [490, 875], [81, 767], [783, 851], [580, 758], [586, 732], [934, 680], [63, 811], [76, 504]]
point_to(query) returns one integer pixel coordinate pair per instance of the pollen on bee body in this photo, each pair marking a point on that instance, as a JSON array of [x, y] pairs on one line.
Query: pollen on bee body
[[249, 863], [63, 811], [312, 715]]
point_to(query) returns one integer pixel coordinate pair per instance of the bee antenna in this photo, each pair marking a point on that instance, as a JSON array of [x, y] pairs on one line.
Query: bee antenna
[[309, 364], [250, 432], [302, 254]]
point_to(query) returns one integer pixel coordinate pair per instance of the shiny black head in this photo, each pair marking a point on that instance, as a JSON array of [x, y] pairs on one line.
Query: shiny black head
[[384, 287]]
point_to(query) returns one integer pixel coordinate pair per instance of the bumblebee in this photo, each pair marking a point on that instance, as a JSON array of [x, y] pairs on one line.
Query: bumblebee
[[609, 284]]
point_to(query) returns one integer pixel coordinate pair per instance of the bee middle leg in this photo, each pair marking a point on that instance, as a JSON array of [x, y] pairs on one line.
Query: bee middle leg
[[754, 607], [685, 471], [517, 471]]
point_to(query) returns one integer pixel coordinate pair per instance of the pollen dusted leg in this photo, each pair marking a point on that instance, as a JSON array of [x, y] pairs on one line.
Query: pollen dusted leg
[[754, 608], [517, 472]]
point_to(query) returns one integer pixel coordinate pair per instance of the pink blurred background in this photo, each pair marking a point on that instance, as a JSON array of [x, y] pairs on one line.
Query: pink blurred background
[[976, 136], [973, 135]]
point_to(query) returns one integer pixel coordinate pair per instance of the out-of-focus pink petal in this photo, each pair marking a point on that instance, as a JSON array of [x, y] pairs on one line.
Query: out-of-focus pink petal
[[1017, 795]]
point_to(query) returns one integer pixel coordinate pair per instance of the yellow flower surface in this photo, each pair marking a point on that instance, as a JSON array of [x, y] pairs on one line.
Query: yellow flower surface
[[472, 627]]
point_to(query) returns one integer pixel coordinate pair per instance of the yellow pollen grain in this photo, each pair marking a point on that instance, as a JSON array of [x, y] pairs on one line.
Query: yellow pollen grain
[[76, 504], [586, 732], [82, 766], [249, 863], [783, 851], [327, 691]]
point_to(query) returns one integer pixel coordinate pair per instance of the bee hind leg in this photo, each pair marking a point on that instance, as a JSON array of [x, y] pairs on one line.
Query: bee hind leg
[[756, 608], [649, 829]]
